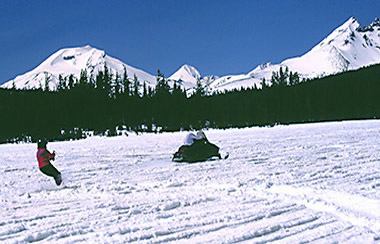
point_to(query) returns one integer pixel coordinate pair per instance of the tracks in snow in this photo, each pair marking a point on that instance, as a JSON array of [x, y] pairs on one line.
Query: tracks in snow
[[316, 183]]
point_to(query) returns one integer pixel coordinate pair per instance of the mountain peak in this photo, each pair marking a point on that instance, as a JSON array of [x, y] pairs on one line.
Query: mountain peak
[[352, 19], [73, 60], [76, 56], [186, 73], [347, 47], [351, 24]]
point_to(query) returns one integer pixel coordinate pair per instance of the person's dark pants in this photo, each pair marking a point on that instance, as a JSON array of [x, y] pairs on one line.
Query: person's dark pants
[[50, 170]]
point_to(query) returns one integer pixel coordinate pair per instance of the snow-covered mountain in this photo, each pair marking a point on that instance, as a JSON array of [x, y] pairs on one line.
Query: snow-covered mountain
[[71, 61], [348, 47], [187, 76]]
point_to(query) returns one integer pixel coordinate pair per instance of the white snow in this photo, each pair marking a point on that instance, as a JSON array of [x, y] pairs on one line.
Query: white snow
[[346, 48], [188, 75], [71, 61], [289, 184]]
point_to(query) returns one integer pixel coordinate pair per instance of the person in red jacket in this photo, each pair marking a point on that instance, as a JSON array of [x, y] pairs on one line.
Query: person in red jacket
[[44, 157]]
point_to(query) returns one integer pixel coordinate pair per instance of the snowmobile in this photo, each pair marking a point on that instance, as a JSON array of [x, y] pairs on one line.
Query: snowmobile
[[200, 150]]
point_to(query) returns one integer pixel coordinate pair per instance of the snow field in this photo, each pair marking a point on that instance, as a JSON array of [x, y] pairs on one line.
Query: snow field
[[286, 184]]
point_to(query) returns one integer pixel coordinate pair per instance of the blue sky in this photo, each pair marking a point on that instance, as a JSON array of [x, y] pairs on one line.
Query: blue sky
[[216, 36]]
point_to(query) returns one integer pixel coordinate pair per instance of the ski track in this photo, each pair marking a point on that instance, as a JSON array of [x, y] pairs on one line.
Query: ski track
[[315, 183]]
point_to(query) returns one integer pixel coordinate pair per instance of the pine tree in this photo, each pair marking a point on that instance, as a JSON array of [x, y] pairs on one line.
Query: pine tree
[[83, 79], [107, 81], [61, 84], [99, 81], [200, 89], [71, 81], [136, 86], [264, 84], [280, 78], [283, 76], [47, 81], [126, 83], [145, 91], [275, 79], [162, 86], [177, 90], [294, 78], [91, 81], [117, 85]]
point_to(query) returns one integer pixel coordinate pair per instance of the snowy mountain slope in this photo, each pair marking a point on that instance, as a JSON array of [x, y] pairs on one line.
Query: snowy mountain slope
[[71, 61], [348, 47], [315, 183], [187, 75]]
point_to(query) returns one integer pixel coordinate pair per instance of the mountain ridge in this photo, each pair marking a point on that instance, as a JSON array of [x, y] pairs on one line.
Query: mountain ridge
[[69, 61], [348, 47]]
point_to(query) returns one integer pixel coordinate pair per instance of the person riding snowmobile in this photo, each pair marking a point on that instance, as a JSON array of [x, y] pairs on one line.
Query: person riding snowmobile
[[190, 138], [43, 158], [196, 148]]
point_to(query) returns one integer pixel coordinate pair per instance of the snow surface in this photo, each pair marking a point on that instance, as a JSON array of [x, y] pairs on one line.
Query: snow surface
[[287, 184]]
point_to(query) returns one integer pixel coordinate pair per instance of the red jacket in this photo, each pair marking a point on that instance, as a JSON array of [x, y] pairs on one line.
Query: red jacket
[[43, 157]]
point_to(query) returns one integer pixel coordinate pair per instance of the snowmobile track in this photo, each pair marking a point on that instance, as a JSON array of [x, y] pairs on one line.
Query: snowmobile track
[[291, 184]]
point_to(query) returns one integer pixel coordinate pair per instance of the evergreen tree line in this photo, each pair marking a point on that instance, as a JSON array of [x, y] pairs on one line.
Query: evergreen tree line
[[108, 102]]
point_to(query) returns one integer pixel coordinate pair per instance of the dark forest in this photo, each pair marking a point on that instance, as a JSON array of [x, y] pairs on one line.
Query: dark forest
[[109, 102]]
